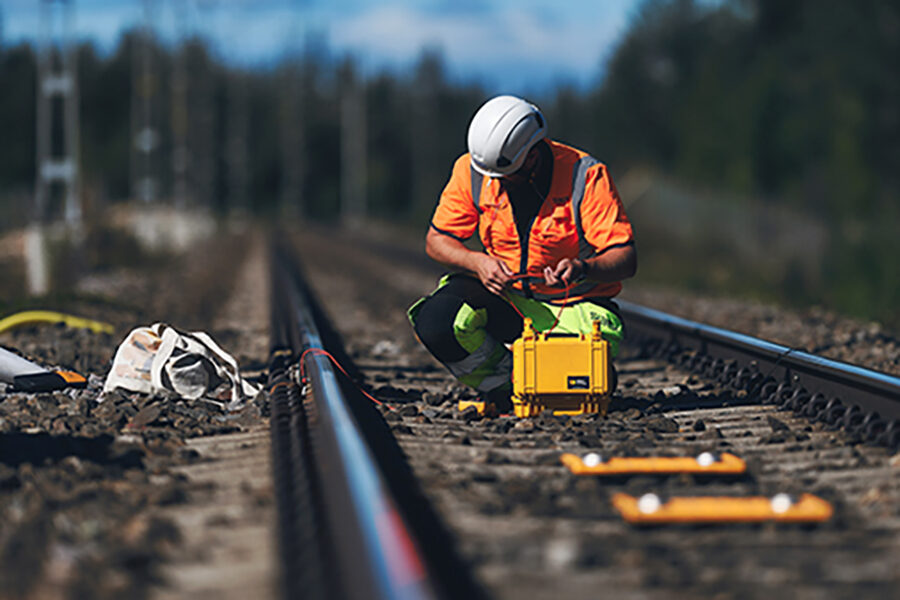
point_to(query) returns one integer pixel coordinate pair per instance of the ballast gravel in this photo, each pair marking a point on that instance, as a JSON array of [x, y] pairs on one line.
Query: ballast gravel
[[81, 480]]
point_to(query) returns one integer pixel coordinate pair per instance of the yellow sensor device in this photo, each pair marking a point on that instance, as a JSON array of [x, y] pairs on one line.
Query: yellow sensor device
[[649, 509], [706, 463]]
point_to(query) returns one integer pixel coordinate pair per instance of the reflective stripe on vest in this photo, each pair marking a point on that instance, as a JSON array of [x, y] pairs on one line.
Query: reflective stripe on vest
[[579, 181], [477, 179]]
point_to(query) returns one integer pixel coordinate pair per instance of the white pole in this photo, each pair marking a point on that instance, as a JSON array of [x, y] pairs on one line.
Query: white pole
[[36, 267]]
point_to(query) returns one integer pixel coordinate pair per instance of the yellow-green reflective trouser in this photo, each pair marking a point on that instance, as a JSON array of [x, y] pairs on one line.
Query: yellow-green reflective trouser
[[577, 318], [467, 348]]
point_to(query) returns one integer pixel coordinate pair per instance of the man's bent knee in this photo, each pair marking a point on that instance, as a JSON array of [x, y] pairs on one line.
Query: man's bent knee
[[434, 327]]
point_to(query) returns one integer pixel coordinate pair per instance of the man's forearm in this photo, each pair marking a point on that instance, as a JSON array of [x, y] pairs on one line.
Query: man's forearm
[[613, 265], [451, 252]]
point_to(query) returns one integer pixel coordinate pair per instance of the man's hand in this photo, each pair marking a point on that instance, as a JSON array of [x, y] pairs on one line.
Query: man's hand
[[613, 264], [564, 273], [493, 273]]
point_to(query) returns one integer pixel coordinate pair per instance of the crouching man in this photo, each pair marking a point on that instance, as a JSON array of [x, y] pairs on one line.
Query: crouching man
[[556, 244]]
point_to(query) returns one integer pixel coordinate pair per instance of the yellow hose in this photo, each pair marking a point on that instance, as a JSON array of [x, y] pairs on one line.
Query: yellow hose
[[34, 317]]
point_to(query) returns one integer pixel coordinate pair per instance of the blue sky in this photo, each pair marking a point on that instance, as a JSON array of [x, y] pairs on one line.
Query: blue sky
[[507, 45]]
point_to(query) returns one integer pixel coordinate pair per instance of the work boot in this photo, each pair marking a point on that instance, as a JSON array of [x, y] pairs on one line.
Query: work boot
[[499, 398], [492, 403]]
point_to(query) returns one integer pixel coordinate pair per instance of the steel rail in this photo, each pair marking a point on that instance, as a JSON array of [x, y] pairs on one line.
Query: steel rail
[[871, 391], [860, 400], [373, 552]]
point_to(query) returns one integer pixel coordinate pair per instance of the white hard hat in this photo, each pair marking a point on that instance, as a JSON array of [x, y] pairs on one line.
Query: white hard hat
[[502, 132]]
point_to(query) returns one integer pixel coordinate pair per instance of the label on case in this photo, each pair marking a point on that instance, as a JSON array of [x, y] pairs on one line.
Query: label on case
[[578, 382]]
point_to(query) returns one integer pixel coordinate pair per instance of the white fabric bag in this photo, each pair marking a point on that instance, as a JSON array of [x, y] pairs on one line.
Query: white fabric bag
[[190, 364]]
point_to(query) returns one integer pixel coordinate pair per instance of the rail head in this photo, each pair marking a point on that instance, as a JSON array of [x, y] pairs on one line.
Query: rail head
[[868, 389], [377, 555]]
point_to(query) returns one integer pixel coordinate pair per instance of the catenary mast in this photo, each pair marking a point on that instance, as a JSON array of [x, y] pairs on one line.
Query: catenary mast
[[57, 138]]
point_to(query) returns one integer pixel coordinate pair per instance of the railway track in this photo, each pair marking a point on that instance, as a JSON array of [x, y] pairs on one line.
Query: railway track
[[346, 515], [864, 403], [501, 504]]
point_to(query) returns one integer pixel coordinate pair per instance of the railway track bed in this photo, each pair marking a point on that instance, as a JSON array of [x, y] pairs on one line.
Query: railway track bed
[[529, 528], [185, 506]]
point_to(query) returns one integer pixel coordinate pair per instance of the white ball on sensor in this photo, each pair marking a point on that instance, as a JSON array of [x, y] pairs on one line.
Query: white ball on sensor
[[649, 503], [781, 503], [591, 459], [705, 459]]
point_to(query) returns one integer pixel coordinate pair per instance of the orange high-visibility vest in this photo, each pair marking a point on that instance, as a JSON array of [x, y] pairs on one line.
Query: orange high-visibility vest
[[581, 217]]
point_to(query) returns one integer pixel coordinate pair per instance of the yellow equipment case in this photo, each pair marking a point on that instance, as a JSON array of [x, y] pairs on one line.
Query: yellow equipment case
[[570, 374]]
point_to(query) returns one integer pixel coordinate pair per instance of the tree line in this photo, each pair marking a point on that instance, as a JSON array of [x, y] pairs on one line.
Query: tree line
[[785, 100]]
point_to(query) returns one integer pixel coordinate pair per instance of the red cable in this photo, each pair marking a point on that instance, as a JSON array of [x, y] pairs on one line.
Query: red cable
[[378, 402], [322, 352]]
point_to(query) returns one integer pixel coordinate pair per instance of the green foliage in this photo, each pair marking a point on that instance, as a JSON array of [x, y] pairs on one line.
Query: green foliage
[[788, 101], [782, 99]]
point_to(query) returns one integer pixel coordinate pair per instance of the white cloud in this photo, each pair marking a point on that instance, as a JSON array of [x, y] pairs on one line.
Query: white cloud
[[494, 46]]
